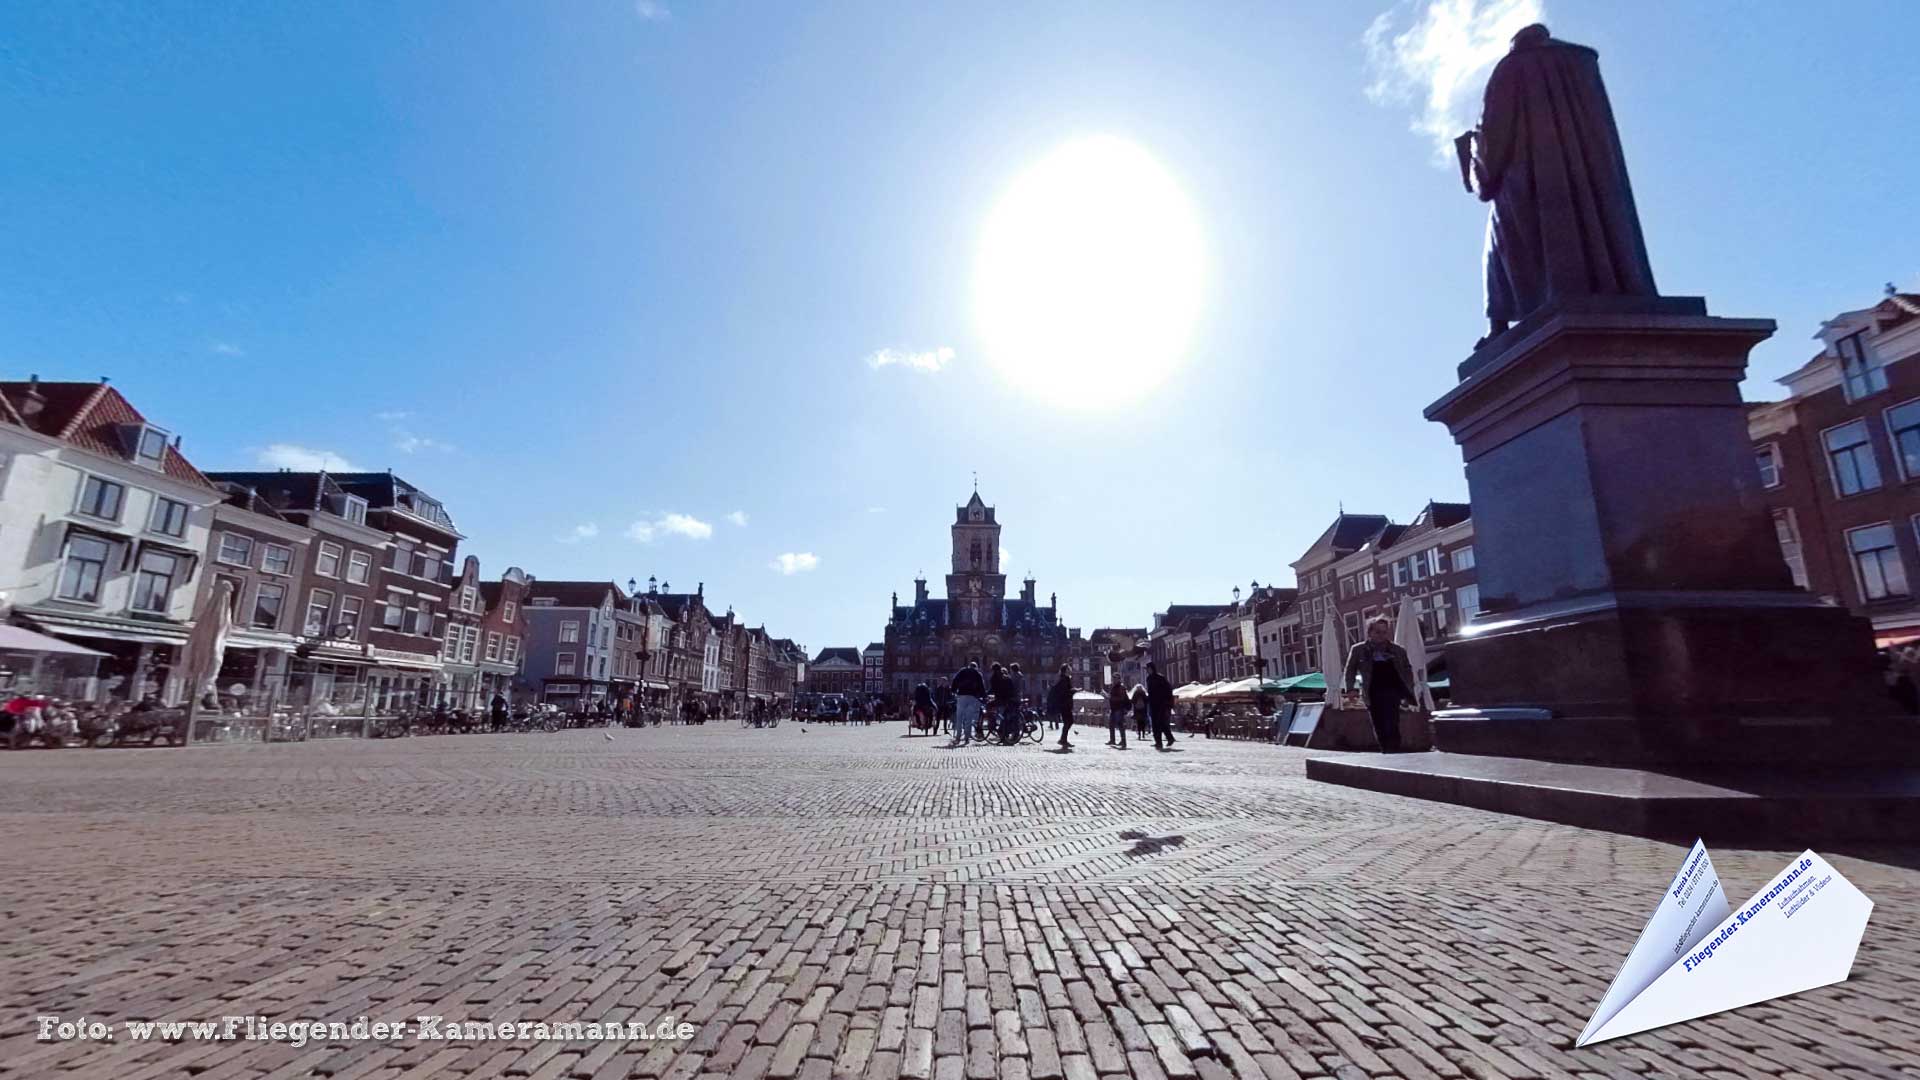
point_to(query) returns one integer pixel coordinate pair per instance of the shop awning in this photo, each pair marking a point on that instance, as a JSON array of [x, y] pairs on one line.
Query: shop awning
[[100, 626], [21, 639]]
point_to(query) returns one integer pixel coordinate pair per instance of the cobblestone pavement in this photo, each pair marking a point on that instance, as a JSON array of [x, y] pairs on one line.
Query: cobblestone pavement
[[852, 903]]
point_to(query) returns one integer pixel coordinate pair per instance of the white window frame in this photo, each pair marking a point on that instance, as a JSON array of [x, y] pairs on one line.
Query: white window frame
[[266, 551], [510, 649], [140, 571], [1774, 464], [161, 504], [364, 561], [119, 502], [1873, 462], [354, 508], [493, 646], [507, 610], [570, 632], [1466, 600], [157, 461], [220, 550], [253, 613], [329, 549], [100, 579], [1893, 438], [1899, 562], [343, 617], [1872, 376], [564, 663], [1786, 529], [1462, 558], [326, 616]]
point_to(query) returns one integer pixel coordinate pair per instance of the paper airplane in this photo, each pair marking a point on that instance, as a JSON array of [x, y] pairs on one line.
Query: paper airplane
[[1698, 957]]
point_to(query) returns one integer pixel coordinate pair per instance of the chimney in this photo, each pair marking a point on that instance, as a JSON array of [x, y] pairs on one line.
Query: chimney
[[919, 590], [33, 402], [1026, 590], [700, 590]]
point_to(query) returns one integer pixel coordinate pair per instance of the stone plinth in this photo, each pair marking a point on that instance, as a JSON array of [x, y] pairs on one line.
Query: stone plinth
[[1635, 605]]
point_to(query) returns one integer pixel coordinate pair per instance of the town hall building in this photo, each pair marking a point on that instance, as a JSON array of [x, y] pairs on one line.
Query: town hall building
[[931, 639]]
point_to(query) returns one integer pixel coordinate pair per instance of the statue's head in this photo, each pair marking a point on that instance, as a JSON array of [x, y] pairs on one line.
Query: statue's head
[[1531, 35]]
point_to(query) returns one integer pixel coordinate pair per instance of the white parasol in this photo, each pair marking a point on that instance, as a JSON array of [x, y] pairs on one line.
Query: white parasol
[[1407, 633], [206, 645], [1333, 658]]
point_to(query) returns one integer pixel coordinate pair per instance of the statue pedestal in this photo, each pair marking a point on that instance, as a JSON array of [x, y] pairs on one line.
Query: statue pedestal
[[1635, 608]]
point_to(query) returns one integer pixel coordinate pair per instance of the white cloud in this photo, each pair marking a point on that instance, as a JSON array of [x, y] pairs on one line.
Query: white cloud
[[302, 459], [794, 562], [585, 531], [391, 415], [738, 517], [407, 442], [1434, 54], [876, 509], [928, 361], [1006, 559], [652, 10], [226, 348], [646, 532]]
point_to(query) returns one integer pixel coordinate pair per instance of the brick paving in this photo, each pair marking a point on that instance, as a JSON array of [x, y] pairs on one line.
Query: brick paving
[[848, 903]]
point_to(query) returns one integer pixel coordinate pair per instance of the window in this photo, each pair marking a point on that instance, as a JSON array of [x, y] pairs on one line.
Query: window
[[327, 562], [402, 557], [511, 653], [349, 620], [469, 598], [423, 620], [1366, 580], [1767, 457], [277, 559], [169, 517], [507, 612], [424, 565], [1436, 606], [1903, 430], [1436, 562], [1352, 623], [1400, 575], [150, 448], [450, 648], [469, 644], [493, 645], [1850, 459], [1467, 597], [563, 663], [393, 613], [102, 498], [1876, 562], [569, 633], [268, 599], [354, 509], [1857, 368], [153, 581], [1463, 558], [359, 567], [1788, 530], [85, 569], [319, 609], [235, 549], [1347, 585]]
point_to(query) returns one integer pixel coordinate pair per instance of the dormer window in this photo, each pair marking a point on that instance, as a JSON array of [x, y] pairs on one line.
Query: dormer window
[[354, 509], [149, 446], [1858, 371]]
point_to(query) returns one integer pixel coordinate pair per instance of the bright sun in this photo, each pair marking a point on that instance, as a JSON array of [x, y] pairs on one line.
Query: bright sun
[[1090, 275]]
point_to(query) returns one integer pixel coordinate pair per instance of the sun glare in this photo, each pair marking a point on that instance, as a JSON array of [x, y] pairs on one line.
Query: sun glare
[[1090, 275]]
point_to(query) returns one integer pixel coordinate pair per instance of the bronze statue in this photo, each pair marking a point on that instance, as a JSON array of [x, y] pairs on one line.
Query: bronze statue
[[1547, 156]]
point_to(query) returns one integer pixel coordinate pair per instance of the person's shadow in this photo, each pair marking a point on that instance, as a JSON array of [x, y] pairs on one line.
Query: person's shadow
[[1144, 845]]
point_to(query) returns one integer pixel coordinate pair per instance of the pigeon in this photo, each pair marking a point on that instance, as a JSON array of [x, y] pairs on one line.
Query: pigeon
[[608, 735]]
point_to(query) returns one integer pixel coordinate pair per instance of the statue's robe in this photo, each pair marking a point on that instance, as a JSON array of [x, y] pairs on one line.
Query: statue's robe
[[1547, 156]]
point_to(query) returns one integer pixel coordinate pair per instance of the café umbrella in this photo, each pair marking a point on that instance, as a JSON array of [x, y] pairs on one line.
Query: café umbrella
[[1407, 633], [1332, 660], [206, 645]]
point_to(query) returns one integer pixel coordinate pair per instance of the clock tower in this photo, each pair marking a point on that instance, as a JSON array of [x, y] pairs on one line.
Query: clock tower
[[976, 586]]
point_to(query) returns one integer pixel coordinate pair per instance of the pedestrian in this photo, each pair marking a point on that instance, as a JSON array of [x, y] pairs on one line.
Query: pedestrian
[[1006, 707], [497, 711], [1118, 705], [1160, 707], [1060, 701], [1140, 710], [1382, 664], [969, 692], [923, 707], [1019, 688]]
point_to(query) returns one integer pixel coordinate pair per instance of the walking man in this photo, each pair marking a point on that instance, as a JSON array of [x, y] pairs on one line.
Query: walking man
[[1382, 664], [969, 690], [1006, 706], [1160, 706], [1060, 702], [1118, 706]]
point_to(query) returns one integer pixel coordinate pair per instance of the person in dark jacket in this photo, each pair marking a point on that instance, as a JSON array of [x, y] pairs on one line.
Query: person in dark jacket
[[1382, 664], [1060, 702], [969, 692], [1160, 706], [923, 706], [1118, 705], [1006, 705]]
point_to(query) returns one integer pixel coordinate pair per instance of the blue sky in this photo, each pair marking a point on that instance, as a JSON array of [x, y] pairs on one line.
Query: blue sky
[[619, 269]]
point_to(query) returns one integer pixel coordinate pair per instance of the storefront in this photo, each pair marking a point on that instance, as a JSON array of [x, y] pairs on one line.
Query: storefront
[[32, 663], [139, 656], [401, 682]]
